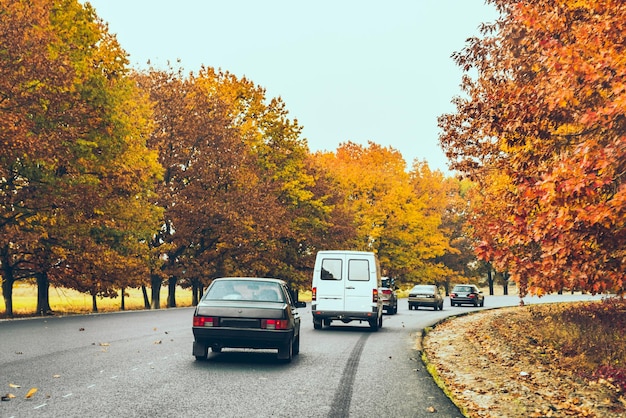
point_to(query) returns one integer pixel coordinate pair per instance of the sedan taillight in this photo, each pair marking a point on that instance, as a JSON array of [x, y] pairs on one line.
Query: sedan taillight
[[205, 321], [386, 292], [452, 295], [275, 323]]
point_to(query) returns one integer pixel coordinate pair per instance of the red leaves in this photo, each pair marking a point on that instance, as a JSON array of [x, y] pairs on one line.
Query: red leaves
[[543, 134]]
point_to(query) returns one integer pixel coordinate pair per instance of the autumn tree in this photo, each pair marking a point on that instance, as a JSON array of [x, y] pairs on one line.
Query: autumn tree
[[542, 132], [237, 190], [450, 198], [78, 173], [393, 218], [30, 90]]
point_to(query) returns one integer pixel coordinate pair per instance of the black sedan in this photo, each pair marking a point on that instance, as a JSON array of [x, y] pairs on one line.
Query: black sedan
[[247, 312], [467, 294]]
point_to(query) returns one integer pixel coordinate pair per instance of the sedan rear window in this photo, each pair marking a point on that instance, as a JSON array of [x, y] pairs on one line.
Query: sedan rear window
[[424, 289], [245, 290]]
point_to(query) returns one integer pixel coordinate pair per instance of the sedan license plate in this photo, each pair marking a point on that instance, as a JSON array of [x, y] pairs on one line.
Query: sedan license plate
[[240, 323]]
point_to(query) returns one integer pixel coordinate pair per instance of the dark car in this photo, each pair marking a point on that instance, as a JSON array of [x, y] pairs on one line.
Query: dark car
[[388, 295], [425, 295], [468, 294], [247, 312]]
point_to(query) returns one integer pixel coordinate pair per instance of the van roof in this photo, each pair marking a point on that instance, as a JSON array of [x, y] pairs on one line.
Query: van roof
[[345, 252]]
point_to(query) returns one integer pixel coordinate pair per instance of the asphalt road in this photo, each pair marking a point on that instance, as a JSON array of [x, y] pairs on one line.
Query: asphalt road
[[139, 364]]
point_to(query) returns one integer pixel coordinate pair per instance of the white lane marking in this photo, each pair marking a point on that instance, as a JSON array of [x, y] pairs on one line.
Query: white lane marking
[[68, 395], [40, 406]]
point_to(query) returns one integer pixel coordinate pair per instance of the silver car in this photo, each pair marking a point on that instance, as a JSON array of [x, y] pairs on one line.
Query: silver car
[[425, 295]]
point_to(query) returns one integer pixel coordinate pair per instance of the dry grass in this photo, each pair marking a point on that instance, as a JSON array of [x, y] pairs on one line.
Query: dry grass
[[589, 337], [68, 301]]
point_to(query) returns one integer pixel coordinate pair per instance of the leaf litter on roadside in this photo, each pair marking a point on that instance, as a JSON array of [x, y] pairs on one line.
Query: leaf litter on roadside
[[509, 371]]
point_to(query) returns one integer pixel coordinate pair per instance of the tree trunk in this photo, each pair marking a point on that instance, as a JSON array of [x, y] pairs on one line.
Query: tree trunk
[[505, 283], [7, 293], [94, 304], [123, 305], [43, 296], [8, 279], [200, 293], [146, 301], [197, 290], [490, 280], [171, 292], [155, 282]]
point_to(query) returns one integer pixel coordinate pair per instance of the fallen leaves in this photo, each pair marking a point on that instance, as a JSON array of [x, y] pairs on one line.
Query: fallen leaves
[[504, 375], [30, 393]]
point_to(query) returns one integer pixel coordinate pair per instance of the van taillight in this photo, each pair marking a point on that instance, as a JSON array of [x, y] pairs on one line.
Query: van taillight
[[374, 295], [275, 323], [314, 294], [205, 321]]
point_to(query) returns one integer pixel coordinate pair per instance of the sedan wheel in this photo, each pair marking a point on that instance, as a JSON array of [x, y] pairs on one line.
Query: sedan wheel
[[286, 351], [295, 347], [200, 351]]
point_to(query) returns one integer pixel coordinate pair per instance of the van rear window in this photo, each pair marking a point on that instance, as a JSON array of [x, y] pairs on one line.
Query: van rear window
[[359, 270], [331, 269]]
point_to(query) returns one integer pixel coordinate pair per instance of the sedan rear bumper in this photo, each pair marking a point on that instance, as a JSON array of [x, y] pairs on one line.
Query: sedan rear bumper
[[464, 301], [242, 338], [428, 302]]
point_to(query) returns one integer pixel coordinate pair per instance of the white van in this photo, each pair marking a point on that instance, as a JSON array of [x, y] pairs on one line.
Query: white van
[[345, 288]]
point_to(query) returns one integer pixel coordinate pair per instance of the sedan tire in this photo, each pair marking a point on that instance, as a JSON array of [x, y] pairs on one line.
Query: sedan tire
[[295, 347], [200, 351], [286, 351]]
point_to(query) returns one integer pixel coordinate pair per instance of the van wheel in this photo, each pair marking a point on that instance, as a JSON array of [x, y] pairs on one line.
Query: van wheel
[[317, 323], [373, 324]]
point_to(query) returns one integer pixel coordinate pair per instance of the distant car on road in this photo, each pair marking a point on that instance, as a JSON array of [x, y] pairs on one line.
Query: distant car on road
[[389, 295], [247, 312], [468, 294], [425, 295]]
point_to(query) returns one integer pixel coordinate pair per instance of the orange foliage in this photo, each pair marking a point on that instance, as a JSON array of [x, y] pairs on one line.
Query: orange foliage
[[547, 116]]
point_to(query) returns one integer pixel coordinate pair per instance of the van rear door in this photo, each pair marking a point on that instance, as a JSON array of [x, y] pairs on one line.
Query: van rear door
[[359, 284], [331, 289]]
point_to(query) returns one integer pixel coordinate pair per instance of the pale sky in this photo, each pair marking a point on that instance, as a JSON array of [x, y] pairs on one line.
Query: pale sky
[[347, 70]]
